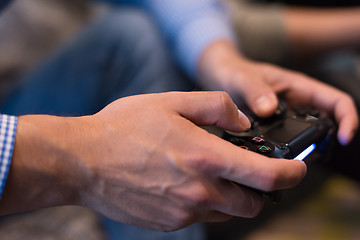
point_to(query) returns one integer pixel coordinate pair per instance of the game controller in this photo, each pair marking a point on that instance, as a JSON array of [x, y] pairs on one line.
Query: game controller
[[293, 132]]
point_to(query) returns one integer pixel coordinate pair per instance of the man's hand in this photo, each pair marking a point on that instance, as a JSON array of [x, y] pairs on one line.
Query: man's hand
[[259, 84], [143, 160]]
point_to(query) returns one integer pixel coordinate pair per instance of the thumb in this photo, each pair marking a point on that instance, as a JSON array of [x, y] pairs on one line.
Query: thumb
[[211, 108], [263, 104], [252, 82], [260, 97]]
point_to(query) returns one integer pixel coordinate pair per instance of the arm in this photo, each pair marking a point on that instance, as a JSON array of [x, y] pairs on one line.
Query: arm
[[316, 31], [260, 83], [153, 168], [190, 27], [277, 32], [202, 40], [218, 65]]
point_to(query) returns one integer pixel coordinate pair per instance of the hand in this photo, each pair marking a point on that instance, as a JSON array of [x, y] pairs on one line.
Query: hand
[[222, 68], [143, 160]]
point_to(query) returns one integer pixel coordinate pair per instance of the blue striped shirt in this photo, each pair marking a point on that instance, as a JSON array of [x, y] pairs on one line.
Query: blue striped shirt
[[190, 26], [7, 139]]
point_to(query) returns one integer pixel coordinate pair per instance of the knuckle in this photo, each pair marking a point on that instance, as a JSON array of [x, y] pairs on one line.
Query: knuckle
[[224, 97], [179, 218], [275, 180], [301, 76], [252, 205], [348, 99], [255, 209], [199, 197], [224, 100], [203, 161], [182, 219], [270, 181]]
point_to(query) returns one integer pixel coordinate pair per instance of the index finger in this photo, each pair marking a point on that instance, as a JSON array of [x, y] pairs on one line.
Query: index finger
[[211, 108], [252, 169], [227, 160], [303, 89], [333, 100]]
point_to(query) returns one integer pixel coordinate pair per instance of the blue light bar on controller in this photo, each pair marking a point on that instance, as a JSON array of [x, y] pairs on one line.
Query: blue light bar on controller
[[305, 153]]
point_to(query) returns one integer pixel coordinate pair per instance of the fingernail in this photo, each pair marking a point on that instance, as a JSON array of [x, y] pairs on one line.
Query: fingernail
[[244, 121], [345, 139], [265, 103]]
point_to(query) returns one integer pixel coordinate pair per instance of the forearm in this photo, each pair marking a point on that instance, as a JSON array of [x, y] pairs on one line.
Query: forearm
[[218, 54], [313, 31], [44, 171]]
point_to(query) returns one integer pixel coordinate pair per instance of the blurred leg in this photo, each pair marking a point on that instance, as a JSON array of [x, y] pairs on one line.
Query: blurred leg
[[127, 232], [121, 54]]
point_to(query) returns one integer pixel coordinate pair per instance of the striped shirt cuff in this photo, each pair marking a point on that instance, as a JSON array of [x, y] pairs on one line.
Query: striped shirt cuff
[[7, 139]]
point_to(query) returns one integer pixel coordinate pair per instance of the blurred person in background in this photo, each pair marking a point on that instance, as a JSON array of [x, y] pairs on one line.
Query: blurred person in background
[[124, 51]]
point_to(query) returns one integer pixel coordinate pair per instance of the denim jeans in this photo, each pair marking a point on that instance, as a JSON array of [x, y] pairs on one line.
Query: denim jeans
[[117, 55]]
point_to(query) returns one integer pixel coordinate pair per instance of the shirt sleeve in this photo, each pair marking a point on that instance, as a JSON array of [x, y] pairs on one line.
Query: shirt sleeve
[[8, 126], [190, 26]]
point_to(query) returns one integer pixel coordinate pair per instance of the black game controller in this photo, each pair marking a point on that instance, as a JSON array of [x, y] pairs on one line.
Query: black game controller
[[292, 132]]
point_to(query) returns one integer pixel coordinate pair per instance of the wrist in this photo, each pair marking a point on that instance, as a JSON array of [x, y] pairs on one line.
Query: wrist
[[46, 170], [217, 62]]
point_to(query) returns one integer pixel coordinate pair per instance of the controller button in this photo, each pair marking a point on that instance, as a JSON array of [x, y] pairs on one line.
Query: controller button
[[264, 149], [302, 112], [244, 147], [237, 141], [258, 140], [281, 109], [307, 111]]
